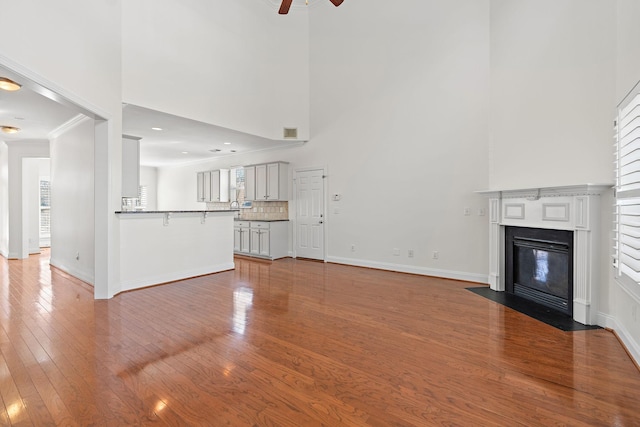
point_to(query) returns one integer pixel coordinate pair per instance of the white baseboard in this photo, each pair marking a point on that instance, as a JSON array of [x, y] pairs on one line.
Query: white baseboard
[[629, 341], [131, 284], [403, 268], [85, 276]]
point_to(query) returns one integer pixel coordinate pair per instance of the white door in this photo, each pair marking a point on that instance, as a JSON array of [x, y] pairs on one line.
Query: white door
[[310, 214]]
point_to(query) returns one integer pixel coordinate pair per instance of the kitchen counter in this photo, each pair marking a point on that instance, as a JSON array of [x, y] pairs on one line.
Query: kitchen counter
[[260, 220], [178, 211]]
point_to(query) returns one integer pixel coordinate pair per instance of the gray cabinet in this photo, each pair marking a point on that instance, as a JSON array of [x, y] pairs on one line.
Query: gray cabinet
[[241, 237], [130, 166], [262, 239], [267, 182], [213, 186]]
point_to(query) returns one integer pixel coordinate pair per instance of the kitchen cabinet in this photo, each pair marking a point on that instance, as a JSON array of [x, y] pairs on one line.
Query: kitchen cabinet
[[213, 186], [250, 183], [241, 237], [130, 166], [267, 181], [263, 239], [260, 242]]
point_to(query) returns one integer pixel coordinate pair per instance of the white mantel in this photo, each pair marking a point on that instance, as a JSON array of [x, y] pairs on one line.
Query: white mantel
[[575, 208]]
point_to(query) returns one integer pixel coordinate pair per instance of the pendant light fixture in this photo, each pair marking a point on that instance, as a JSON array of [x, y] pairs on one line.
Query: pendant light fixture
[[9, 85]]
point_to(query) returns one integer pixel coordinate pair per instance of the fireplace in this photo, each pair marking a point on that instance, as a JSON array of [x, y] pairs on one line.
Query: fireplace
[[573, 210], [539, 266]]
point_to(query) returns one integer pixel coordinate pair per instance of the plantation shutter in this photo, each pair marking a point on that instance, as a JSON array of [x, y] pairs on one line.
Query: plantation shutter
[[627, 208]]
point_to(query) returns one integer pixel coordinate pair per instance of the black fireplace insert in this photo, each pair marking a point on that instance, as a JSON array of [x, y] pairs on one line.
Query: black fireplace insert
[[539, 266]]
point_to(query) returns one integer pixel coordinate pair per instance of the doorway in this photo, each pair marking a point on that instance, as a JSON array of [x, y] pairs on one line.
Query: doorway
[[310, 214]]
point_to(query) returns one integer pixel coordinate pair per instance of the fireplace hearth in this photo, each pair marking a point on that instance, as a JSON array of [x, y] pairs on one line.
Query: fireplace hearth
[[539, 266]]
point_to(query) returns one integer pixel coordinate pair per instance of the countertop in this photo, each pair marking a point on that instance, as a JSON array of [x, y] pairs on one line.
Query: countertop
[[260, 220], [178, 211]]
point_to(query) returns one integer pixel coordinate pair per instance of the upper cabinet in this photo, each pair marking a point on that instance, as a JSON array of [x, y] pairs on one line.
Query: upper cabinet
[[130, 165], [267, 181], [250, 183], [213, 186]]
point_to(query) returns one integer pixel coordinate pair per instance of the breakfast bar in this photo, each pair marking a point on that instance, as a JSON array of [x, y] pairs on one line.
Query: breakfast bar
[[163, 246]]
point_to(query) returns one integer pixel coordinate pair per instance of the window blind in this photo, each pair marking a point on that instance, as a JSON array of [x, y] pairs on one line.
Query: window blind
[[627, 209]]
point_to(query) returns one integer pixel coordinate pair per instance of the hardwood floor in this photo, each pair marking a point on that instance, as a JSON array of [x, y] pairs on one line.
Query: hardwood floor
[[296, 343]]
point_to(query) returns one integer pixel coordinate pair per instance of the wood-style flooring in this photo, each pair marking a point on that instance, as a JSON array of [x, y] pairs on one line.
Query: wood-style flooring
[[296, 343]]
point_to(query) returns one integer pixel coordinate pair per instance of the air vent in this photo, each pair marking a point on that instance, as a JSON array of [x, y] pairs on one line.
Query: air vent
[[215, 150], [290, 133]]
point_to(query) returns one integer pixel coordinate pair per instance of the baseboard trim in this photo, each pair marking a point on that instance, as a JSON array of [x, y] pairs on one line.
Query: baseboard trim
[[403, 268], [130, 285], [85, 276], [627, 340]]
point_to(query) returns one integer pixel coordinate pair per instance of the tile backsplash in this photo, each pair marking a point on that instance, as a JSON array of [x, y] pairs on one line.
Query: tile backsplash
[[260, 210]]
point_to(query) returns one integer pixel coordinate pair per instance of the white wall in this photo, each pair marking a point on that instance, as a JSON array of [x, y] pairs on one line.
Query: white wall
[[74, 49], [4, 199], [552, 92], [72, 201], [236, 64], [399, 106], [149, 178]]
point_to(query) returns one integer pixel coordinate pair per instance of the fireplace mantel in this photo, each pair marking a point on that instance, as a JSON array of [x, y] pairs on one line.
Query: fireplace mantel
[[575, 208]]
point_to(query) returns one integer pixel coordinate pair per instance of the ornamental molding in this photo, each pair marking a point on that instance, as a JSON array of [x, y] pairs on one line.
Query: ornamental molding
[[533, 194]]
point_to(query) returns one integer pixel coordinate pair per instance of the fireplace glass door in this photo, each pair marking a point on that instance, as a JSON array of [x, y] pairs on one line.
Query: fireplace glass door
[[539, 266]]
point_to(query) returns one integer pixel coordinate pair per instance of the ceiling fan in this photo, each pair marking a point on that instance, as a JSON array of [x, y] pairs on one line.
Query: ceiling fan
[[286, 4]]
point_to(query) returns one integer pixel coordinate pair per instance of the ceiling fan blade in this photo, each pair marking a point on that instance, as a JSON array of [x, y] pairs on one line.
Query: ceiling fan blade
[[284, 7], [336, 3]]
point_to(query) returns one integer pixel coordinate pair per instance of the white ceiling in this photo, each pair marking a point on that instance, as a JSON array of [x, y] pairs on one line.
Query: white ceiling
[[34, 114], [183, 140], [37, 116]]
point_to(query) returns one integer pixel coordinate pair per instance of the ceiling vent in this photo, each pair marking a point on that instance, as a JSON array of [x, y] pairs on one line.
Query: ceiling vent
[[290, 133], [215, 150]]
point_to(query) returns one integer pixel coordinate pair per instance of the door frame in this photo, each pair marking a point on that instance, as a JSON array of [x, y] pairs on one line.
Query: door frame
[[325, 231]]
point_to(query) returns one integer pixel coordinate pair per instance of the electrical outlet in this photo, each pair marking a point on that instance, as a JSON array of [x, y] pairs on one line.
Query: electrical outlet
[[396, 252], [481, 212], [467, 211], [410, 253], [353, 248], [281, 210], [436, 254], [77, 256]]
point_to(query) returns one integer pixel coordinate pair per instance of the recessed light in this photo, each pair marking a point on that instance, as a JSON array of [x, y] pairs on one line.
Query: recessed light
[[10, 129], [156, 128], [185, 152], [8, 84], [227, 143]]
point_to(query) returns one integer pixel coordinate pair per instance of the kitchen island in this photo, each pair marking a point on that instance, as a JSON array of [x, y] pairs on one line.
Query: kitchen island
[[163, 246]]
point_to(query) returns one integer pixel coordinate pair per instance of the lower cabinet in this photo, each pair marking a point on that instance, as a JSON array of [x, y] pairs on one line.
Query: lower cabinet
[[263, 239], [241, 237]]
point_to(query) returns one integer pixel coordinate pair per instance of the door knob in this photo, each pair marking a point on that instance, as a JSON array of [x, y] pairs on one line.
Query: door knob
[[321, 222]]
